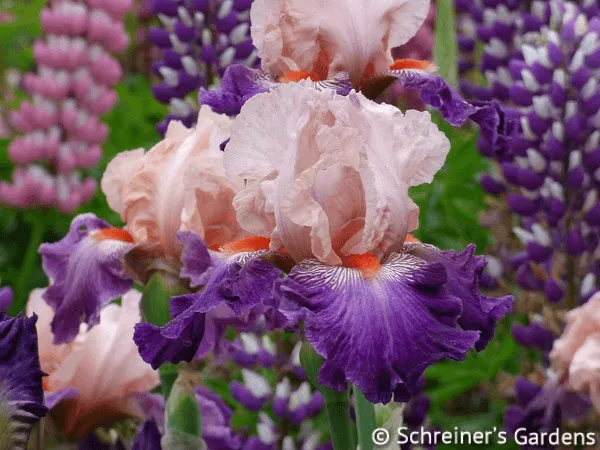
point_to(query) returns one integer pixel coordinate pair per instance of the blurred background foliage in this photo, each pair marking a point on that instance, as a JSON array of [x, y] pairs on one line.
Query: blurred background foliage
[[464, 395]]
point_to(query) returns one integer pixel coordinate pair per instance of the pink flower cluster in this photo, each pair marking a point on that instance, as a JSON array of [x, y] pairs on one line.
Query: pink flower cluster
[[72, 88]]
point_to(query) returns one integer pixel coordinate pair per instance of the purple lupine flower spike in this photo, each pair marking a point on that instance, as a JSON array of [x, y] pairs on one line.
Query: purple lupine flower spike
[[199, 40], [253, 392], [541, 60], [21, 393], [550, 175], [61, 129]]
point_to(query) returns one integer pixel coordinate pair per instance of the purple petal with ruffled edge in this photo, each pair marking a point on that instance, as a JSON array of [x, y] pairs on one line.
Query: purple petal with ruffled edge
[[51, 399], [148, 437], [6, 298], [240, 83], [380, 333], [196, 259], [497, 124], [238, 284], [86, 273], [216, 422], [21, 393], [480, 313]]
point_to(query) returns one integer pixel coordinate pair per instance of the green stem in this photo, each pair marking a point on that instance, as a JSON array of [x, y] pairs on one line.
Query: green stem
[[365, 419], [30, 260], [337, 404]]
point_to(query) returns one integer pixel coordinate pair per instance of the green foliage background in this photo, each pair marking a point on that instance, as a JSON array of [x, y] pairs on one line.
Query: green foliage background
[[463, 394]]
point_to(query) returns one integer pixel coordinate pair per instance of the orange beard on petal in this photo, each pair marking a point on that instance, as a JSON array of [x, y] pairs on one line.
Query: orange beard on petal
[[113, 234], [367, 264], [298, 75], [249, 244], [415, 64], [410, 238]]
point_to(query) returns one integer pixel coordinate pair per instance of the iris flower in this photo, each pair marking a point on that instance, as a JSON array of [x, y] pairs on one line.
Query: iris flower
[[342, 45], [327, 179]]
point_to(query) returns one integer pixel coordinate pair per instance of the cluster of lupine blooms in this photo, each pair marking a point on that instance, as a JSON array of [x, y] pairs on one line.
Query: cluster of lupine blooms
[[199, 39], [61, 128], [289, 222], [542, 60]]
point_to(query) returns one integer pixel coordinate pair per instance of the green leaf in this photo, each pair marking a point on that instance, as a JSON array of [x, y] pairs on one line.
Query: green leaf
[[445, 48]]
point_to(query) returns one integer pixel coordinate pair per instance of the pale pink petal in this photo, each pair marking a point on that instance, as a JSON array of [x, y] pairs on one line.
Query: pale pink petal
[[51, 356], [328, 175], [208, 201], [105, 368], [310, 218], [581, 323], [176, 177], [117, 175], [403, 150], [254, 207], [585, 365], [326, 37]]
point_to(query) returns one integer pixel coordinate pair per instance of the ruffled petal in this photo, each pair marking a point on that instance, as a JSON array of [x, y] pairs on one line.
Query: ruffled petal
[[176, 176], [241, 83], [21, 394], [325, 38], [327, 175], [208, 198], [464, 269], [104, 367], [584, 370], [581, 323], [238, 284], [498, 125], [86, 272], [371, 330], [117, 175]]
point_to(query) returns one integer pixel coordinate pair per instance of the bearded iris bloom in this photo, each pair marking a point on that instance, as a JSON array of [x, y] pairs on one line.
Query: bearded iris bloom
[[178, 185], [344, 45], [327, 179]]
